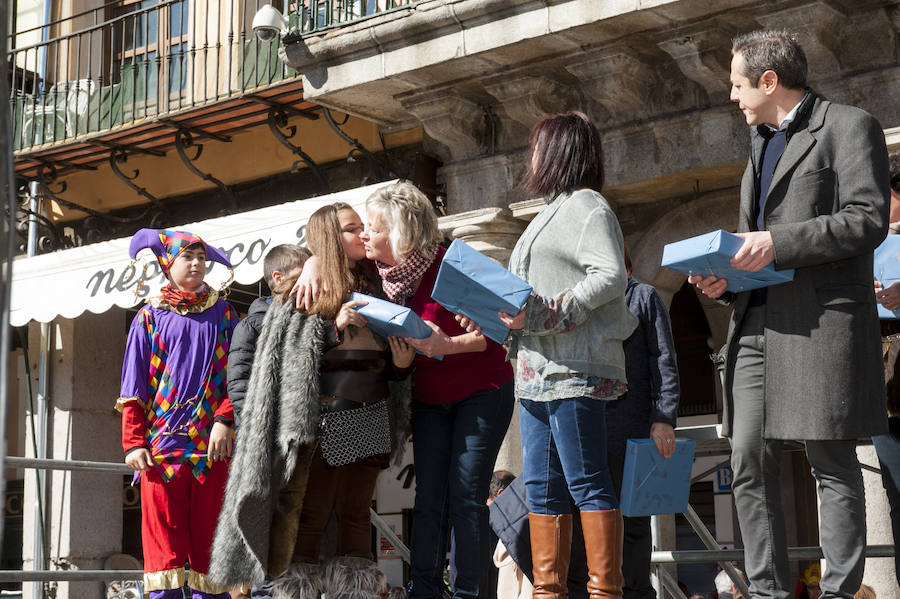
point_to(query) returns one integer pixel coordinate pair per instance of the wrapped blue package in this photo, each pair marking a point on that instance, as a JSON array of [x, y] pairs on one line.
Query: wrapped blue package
[[471, 284], [391, 320], [887, 269], [652, 484], [711, 254]]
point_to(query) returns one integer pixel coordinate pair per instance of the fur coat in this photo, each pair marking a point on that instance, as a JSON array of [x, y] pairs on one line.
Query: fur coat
[[279, 429]]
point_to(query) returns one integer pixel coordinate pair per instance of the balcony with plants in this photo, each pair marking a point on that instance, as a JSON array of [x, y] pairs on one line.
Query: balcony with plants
[[129, 62]]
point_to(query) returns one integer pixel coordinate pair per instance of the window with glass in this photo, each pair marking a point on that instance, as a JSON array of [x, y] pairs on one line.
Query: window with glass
[[150, 45]]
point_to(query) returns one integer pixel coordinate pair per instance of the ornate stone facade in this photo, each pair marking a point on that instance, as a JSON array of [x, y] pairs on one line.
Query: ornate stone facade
[[478, 74]]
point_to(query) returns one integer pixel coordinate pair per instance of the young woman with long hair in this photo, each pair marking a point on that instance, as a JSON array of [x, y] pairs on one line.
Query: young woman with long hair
[[325, 406]]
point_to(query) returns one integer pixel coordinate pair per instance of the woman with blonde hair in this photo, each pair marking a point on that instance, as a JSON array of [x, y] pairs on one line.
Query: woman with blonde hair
[[461, 405]]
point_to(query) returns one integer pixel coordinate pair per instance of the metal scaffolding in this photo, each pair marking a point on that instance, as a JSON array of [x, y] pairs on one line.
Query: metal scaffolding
[[658, 558]]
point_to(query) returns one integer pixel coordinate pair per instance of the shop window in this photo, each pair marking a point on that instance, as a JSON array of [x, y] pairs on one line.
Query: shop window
[[692, 344]]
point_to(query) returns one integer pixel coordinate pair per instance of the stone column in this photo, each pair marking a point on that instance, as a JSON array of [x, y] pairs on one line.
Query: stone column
[[879, 571], [479, 183], [493, 232], [83, 513]]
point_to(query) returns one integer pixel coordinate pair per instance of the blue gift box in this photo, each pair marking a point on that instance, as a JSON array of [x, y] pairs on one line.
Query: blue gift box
[[887, 269], [711, 254], [389, 319], [652, 484], [471, 284]]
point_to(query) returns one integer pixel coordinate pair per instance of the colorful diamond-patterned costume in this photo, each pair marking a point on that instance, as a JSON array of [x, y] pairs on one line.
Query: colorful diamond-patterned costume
[[174, 387], [175, 369]]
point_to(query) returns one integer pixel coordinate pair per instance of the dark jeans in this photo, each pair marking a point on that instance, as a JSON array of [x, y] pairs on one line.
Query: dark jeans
[[888, 449], [563, 453], [455, 446]]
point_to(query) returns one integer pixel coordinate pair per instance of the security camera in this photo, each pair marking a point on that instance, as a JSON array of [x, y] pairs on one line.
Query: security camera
[[269, 22]]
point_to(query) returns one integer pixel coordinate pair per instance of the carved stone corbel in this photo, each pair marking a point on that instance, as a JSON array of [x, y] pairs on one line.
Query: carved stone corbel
[[449, 118], [818, 25], [527, 97], [703, 55], [492, 231], [619, 79]]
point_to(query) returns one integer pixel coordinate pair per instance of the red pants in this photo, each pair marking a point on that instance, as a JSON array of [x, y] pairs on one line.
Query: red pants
[[178, 522]]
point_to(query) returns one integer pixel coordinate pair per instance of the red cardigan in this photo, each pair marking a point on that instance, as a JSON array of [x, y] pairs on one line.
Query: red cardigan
[[457, 376]]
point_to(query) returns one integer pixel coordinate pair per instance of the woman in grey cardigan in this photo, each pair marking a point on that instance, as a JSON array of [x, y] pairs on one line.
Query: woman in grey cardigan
[[568, 342]]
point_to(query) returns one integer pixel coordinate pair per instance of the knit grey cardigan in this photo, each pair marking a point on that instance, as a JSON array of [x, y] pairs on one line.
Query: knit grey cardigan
[[279, 424], [572, 254]]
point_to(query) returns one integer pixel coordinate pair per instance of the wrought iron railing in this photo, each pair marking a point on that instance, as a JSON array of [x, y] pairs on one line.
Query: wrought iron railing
[[130, 61], [127, 61], [312, 16]]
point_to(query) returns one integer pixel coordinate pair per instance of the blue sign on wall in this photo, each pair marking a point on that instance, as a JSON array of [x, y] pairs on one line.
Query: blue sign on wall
[[724, 476]]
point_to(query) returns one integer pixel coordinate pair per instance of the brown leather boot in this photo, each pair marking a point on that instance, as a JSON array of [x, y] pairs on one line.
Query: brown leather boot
[[603, 537], [551, 547]]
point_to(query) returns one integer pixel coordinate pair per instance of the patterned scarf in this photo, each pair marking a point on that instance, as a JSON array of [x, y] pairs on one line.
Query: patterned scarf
[[398, 280], [184, 299]]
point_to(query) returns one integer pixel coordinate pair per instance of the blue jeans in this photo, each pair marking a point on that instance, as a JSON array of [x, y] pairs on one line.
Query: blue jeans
[[564, 453], [455, 446], [888, 449]]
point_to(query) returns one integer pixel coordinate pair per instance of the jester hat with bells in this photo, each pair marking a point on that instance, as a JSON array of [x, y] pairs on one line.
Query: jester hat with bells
[[167, 245]]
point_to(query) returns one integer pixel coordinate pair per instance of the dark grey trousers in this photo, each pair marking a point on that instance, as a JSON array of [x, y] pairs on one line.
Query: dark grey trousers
[[756, 463]]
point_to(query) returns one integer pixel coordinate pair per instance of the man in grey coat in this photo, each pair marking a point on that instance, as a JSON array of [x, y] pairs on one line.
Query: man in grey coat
[[803, 358]]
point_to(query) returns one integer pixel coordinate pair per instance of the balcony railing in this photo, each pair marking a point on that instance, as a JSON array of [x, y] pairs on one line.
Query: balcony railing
[[126, 62], [312, 16]]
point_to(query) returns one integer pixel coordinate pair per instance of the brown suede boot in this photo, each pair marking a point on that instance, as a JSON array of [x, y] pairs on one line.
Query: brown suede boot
[[603, 537], [551, 547]]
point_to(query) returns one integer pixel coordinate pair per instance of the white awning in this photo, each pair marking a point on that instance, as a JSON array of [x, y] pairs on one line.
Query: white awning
[[99, 276]]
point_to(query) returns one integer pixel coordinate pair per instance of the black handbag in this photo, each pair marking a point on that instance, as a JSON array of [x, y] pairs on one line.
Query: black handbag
[[354, 433]]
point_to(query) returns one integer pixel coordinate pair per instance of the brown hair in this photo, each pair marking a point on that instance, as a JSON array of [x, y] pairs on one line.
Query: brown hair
[[283, 258], [772, 50], [865, 592], [499, 481], [323, 233], [569, 156]]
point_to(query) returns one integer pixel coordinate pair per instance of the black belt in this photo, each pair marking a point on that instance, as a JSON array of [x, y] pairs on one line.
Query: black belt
[[330, 403]]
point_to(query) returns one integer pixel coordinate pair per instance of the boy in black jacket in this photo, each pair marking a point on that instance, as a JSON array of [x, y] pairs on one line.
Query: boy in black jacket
[[281, 262]]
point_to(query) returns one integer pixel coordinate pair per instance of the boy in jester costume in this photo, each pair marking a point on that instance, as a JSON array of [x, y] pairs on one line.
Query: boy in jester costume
[[176, 415]]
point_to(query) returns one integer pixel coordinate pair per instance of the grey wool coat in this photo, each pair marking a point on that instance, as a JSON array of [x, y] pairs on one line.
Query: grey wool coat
[[827, 209], [279, 429]]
